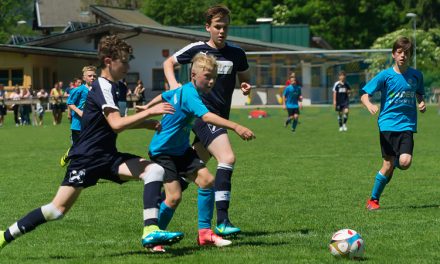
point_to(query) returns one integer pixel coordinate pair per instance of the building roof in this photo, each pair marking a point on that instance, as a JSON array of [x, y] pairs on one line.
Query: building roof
[[160, 30], [112, 14], [57, 13], [22, 49]]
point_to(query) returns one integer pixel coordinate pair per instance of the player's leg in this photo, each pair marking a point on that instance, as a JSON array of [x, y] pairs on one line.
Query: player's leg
[[289, 117], [152, 176], [345, 118], [295, 118], [205, 206], [60, 205], [340, 119], [406, 146]]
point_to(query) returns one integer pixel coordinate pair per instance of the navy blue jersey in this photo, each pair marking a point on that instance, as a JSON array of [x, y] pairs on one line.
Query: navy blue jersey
[[97, 138], [341, 89], [230, 60]]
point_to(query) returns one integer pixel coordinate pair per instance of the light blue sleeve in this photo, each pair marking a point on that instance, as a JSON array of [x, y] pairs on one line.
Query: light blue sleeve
[[168, 95], [375, 84], [285, 91], [73, 96], [193, 103]]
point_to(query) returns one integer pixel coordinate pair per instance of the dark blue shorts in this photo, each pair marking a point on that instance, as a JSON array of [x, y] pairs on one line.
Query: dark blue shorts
[[292, 111], [177, 167], [395, 143], [206, 133], [340, 107], [85, 173]]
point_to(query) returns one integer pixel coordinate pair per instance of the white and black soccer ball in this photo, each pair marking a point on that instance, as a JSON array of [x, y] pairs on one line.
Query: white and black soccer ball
[[347, 243]]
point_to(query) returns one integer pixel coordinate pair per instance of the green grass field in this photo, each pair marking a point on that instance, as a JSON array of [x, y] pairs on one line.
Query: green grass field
[[291, 191]]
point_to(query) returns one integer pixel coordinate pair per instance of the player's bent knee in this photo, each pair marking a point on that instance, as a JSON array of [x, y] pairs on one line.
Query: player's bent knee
[[50, 212], [154, 173], [228, 158], [173, 200]]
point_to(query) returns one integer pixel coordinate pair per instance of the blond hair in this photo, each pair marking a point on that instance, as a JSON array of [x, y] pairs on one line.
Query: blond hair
[[89, 68], [204, 61]]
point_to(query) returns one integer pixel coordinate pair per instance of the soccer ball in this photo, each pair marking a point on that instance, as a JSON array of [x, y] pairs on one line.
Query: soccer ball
[[347, 243]]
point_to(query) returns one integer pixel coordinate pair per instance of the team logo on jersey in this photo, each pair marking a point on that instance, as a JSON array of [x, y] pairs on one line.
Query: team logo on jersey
[[224, 67], [77, 176], [213, 128]]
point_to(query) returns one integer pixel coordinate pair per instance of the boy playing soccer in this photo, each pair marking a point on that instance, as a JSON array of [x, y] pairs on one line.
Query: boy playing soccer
[[341, 92], [95, 156], [75, 105], [400, 87], [292, 101], [171, 149], [210, 139]]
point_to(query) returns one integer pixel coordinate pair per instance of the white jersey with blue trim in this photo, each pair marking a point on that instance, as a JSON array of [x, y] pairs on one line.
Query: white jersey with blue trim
[[97, 138], [398, 110], [230, 60]]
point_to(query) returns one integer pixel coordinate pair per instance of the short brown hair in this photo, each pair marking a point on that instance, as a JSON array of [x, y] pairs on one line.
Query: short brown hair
[[342, 73], [114, 48], [216, 10], [403, 43]]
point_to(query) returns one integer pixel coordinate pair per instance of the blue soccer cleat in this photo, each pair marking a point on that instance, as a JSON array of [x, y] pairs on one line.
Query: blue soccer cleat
[[161, 237], [226, 228]]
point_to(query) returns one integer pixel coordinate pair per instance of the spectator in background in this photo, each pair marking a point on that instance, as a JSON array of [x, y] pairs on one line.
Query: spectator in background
[[56, 94], [122, 93], [43, 97], [16, 96], [2, 105], [139, 91], [25, 109]]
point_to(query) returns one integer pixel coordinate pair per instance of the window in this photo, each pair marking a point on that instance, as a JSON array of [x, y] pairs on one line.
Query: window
[[159, 79], [11, 77]]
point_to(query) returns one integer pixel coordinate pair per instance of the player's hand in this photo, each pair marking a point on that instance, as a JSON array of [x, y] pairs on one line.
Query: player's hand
[[300, 106], [284, 106], [422, 107], [373, 109], [244, 132], [245, 88], [162, 108]]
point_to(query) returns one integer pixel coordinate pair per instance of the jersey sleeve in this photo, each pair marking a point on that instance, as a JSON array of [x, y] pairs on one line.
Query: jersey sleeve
[[243, 63], [185, 55], [168, 95], [73, 97], [285, 91], [108, 98], [335, 85], [375, 84]]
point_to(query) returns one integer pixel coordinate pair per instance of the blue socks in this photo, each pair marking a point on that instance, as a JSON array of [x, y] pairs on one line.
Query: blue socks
[[379, 185], [165, 215], [205, 207]]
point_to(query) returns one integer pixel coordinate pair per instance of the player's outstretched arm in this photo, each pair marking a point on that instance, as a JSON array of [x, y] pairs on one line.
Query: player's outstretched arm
[[168, 69], [119, 124], [155, 101], [243, 132], [421, 102], [365, 99]]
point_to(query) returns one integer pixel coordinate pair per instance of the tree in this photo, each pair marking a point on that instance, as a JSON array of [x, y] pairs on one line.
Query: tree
[[12, 11]]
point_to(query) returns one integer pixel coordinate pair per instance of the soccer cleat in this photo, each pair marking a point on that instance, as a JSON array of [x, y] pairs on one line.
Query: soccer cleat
[[161, 237], [226, 228], [373, 204], [341, 129], [65, 159], [157, 249], [344, 127], [3, 242], [207, 238]]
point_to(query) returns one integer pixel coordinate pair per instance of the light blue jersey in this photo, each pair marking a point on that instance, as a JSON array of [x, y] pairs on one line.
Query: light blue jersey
[[398, 109], [173, 139], [292, 94], [78, 98]]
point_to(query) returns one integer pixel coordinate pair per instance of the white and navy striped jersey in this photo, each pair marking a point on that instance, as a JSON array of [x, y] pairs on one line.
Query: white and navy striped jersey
[[230, 60], [97, 139]]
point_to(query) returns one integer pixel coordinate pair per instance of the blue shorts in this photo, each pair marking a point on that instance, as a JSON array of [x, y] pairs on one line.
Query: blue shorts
[[206, 133], [177, 167], [84, 172]]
